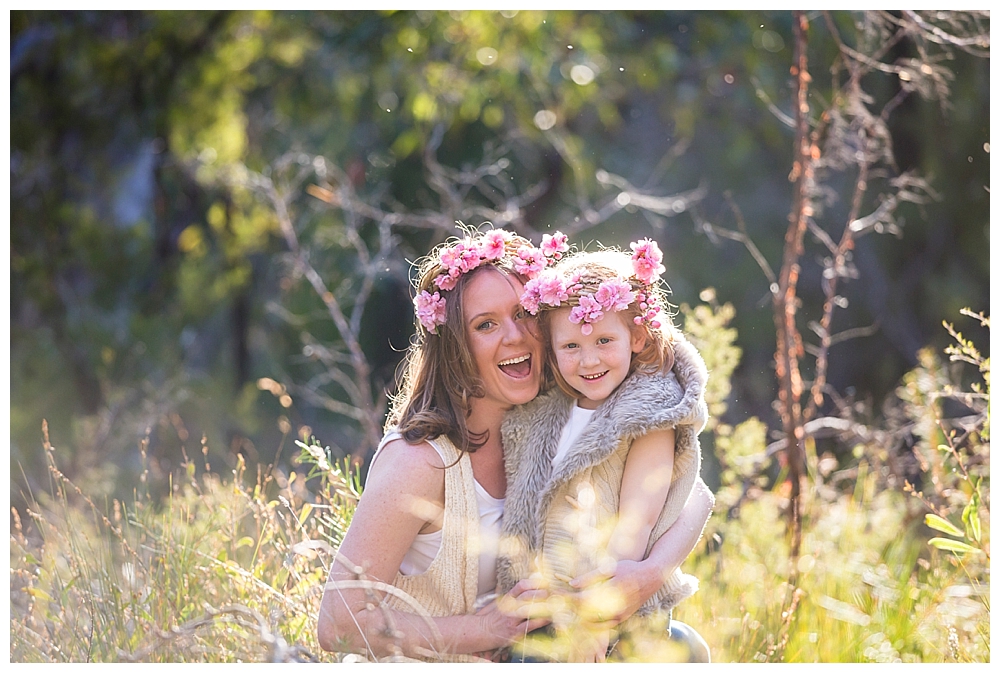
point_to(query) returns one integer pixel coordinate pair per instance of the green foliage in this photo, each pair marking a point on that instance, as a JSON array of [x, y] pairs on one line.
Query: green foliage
[[226, 571], [151, 289], [220, 571], [868, 588]]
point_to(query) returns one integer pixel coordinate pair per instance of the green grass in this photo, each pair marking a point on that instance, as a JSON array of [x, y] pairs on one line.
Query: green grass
[[222, 572], [232, 569]]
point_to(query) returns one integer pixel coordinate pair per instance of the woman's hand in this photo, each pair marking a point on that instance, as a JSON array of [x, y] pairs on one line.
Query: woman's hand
[[513, 615], [637, 581], [527, 600], [633, 583]]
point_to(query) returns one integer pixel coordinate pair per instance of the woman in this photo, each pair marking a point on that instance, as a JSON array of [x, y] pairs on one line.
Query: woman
[[415, 572]]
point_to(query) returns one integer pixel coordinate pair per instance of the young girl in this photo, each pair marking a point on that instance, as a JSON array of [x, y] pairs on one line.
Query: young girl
[[599, 467]]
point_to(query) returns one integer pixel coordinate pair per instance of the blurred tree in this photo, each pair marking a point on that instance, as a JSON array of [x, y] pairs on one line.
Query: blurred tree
[[151, 288]]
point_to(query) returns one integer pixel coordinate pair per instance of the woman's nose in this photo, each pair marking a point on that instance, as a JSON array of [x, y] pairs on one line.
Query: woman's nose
[[513, 331]]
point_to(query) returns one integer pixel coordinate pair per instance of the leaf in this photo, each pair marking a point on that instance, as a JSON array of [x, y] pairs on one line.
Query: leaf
[[970, 517], [951, 545], [38, 593], [938, 523], [245, 541], [306, 510]]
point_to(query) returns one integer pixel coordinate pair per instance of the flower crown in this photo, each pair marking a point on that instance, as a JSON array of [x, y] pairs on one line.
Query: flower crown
[[493, 247], [550, 290]]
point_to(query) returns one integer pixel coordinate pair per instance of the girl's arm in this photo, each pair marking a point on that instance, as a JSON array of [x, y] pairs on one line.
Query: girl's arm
[[639, 580], [404, 493], [649, 467]]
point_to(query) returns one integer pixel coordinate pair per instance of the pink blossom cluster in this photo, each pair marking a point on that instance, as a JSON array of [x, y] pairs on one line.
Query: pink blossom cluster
[[430, 310], [547, 288], [555, 245], [616, 294], [612, 295], [529, 261], [464, 256], [650, 310], [588, 312], [646, 258]]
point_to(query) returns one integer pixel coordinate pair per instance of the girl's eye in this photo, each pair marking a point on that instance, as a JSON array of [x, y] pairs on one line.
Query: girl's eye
[[570, 346], [604, 340]]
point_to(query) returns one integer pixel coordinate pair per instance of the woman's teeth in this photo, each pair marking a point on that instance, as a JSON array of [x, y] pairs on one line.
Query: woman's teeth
[[518, 367]]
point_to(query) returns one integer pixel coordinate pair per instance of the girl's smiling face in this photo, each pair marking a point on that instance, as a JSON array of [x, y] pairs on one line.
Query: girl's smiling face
[[594, 364]]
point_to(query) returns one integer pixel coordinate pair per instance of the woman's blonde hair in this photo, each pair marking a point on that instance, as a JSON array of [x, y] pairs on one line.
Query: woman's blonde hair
[[438, 378], [592, 269]]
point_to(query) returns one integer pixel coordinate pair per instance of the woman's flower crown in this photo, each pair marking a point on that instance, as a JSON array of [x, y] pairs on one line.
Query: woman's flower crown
[[468, 254], [551, 290]]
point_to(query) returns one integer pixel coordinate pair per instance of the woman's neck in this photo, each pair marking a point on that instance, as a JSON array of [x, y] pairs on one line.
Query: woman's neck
[[486, 418], [487, 460]]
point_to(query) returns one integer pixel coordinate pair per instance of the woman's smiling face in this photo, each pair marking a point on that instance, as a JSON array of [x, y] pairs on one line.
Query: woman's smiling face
[[504, 346]]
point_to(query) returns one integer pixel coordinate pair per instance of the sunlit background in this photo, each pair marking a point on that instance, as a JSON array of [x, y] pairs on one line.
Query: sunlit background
[[213, 216]]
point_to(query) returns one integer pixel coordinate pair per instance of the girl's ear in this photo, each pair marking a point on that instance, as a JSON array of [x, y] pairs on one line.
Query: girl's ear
[[639, 338]]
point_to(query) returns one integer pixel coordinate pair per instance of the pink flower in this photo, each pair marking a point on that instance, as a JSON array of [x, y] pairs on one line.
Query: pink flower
[[547, 288], [552, 290], [614, 295], [646, 258], [529, 261], [555, 245], [494, 244], [430, 310], [450, 256], [446, 281], [470, 258], [589, 311], [531, 297]]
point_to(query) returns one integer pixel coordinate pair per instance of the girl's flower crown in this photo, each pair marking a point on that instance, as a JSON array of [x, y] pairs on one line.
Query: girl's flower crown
[[468, 254], [550, 290]]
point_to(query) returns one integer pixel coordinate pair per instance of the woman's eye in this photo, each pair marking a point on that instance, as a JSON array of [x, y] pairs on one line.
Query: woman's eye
[[486, 324]]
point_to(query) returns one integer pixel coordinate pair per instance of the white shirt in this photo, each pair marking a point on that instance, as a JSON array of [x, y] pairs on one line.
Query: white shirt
[[575, 425]]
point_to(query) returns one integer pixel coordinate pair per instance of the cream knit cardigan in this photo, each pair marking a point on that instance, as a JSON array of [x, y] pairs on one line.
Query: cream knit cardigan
[[449, 585], [558, 520]]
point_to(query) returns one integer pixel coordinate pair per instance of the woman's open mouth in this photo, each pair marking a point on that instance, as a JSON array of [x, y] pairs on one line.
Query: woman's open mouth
[[518, 368]]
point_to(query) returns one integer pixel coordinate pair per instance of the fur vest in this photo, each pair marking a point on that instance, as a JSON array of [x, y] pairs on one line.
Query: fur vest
[[558, 521]]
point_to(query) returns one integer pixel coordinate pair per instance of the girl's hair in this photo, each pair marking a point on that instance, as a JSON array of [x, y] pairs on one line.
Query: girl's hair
[[593, 269], [439, 378]]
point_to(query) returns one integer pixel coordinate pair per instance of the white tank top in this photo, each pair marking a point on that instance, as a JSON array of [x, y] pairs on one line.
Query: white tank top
[[425, 546]]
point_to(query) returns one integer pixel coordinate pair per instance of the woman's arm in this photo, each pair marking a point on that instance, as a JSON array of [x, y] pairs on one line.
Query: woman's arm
[[404, 493], [639, 580]]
